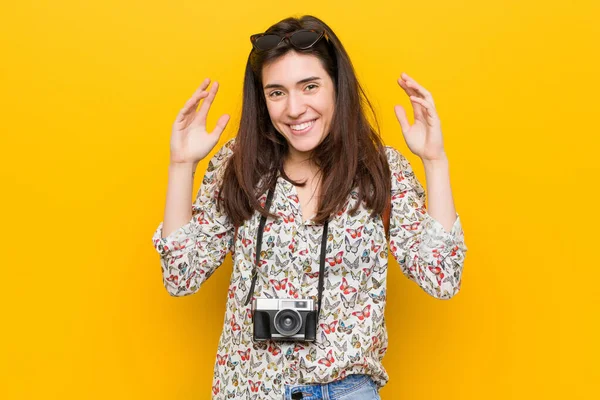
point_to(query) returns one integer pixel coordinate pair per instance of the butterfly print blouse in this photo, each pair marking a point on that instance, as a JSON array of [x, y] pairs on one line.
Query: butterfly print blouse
[[351, 333]]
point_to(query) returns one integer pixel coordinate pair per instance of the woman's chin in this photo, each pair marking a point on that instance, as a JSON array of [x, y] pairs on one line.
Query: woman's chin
[[304, 147]]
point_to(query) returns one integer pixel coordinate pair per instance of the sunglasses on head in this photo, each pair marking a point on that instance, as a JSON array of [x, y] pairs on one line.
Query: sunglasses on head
[[301, 39]]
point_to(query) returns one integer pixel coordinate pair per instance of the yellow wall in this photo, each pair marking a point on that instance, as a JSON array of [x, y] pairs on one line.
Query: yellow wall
[[89, 93]]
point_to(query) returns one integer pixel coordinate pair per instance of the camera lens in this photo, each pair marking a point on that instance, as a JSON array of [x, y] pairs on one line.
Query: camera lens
[[287, 322]]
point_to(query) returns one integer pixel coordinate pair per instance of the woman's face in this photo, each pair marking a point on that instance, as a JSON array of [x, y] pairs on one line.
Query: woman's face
[[300, 97]]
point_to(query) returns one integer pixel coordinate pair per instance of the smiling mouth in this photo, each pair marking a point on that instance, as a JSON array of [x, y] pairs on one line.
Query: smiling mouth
[[302, 127]]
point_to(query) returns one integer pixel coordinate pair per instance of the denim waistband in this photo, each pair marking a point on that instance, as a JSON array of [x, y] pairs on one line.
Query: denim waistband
[[331, 390]]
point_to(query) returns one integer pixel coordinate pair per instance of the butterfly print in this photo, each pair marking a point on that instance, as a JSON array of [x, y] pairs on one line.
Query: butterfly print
[[245, 355], [279, 285], [366, 256], [273, 349], [341, 348], [365, 313], [353, 246], [234, 325], [254, 385], [376, 284], [232, 364], [332, 261], [270, 241], [312, 275], [378, 297], [351, 333], [305, 368], [274, 364], [355, 233], [337, 243], [349, 303], [265, 390], [355, 359], [356, 343], [293, 291], [324, 343], [221, 359], [329, 305], [327, 360], [343, 328], [352, 265], [289, 354], [347, 289], [281, 244], [328, 328]]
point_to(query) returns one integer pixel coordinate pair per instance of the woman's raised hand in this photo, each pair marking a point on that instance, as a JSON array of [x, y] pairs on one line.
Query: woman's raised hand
[[424, 137], [190, 142]]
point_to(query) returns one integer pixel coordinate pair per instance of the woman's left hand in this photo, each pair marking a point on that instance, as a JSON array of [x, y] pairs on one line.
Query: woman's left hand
[[424, 137]]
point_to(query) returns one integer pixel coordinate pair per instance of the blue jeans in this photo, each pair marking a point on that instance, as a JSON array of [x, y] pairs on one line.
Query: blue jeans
[[353, 387]]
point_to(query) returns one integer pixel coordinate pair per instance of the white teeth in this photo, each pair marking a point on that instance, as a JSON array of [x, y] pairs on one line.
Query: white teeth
[[302, 126]]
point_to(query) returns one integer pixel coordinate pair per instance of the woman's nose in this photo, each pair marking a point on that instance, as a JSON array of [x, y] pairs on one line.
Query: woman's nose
[[296, 106]]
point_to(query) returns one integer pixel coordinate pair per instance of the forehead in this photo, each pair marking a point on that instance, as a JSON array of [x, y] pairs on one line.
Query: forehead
[[292, 67]]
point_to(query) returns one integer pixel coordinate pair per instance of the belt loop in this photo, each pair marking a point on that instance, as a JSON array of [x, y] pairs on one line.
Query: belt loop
[[325, 391]]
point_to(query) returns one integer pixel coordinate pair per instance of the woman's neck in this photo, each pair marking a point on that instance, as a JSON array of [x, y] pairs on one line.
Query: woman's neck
[[299, 167]]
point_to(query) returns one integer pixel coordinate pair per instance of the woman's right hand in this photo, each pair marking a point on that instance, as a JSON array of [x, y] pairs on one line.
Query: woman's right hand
[[190, 142]]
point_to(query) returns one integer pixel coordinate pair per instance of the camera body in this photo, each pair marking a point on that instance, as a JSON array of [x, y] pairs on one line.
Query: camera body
[[284, 319]]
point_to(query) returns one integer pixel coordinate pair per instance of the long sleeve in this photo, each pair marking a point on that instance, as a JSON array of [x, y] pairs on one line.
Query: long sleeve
[[190, 255], [427, 254]]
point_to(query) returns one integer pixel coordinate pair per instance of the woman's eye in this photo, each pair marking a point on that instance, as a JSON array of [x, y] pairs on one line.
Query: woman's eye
[[312, 84], [273, 93]]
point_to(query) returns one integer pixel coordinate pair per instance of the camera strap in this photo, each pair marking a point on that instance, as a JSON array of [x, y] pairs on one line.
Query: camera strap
[[259, 236]]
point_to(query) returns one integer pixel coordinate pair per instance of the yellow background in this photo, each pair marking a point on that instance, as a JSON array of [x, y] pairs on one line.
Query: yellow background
[[89, 93]]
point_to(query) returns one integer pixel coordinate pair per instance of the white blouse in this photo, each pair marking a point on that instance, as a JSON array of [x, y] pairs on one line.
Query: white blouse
[[351, 333]]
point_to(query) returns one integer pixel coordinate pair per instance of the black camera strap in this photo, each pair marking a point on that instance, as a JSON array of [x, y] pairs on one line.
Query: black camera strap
[[259, 236]]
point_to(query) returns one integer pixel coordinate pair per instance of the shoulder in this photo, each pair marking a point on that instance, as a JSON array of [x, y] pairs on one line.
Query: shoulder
[[401, 171], [227, 148], [222, 155], [396, 160], [217, 165]]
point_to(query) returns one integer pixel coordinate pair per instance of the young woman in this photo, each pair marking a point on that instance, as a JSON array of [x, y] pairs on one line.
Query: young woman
[[299, 199]]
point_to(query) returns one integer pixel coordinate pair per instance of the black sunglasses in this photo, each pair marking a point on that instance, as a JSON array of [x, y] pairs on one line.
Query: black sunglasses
[[301, 39]]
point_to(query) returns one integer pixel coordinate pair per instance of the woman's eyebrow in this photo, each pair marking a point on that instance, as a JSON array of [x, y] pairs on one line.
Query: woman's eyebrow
[[278, 86]]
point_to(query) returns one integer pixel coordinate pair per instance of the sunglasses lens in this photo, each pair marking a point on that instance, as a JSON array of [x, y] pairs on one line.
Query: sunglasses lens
[[267, 42], [304, 39]]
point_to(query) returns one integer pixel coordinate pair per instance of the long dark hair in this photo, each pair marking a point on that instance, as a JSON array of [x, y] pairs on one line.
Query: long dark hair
[[352, 154]]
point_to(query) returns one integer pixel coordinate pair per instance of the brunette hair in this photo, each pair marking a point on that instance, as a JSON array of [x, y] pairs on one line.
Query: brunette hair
[[352, 154]]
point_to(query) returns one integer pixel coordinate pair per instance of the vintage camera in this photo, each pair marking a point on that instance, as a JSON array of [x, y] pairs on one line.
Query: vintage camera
[[284, 319]]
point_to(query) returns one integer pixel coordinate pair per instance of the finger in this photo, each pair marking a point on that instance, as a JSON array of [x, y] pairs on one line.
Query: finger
[[401, 115], [204, 84], [424, 93], [203, 112], [198, 93], [403, 85], [193, 101], [421, 91], [408, 90], [411, 92], [430, 110], [191, 105], [202, 87], [221, 125]]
